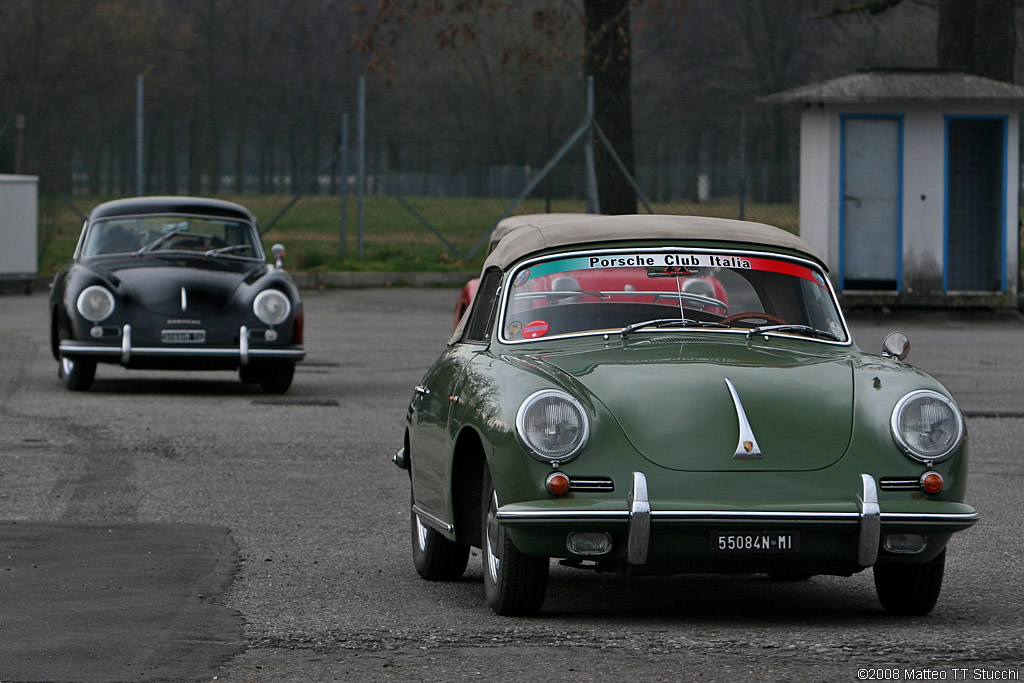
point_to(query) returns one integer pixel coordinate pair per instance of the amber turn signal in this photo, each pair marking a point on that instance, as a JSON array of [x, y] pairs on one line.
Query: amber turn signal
[[931, 482], [557, 484]]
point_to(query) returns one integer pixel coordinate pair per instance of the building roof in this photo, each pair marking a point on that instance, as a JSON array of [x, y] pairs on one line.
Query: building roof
[[887, 85], [539, 235]]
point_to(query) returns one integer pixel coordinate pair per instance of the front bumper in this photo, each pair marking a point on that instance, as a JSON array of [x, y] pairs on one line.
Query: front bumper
[[126, 352], [853, 528]]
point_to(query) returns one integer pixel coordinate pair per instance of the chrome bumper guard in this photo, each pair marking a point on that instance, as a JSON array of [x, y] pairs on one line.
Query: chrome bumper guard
[[639, 517], [126, 350]]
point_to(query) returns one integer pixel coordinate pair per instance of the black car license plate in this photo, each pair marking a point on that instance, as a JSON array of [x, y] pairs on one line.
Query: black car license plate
[[183, 336], [755, 542]]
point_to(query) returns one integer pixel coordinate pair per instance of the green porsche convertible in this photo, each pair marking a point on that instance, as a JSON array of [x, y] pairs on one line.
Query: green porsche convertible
[[673, 394]]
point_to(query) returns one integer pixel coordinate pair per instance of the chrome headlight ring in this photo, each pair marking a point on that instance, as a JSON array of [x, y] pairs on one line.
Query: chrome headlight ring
[[927, 426], [95, 303], [552, 426], [272, 307]]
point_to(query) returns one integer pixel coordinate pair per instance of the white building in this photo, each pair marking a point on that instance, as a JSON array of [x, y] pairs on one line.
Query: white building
[[909, 185]]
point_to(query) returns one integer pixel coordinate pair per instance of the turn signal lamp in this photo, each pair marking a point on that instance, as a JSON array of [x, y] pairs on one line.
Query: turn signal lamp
[[557, 484], [931, 482]]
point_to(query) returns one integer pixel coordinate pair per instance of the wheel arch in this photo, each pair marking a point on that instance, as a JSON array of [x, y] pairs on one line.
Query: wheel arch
[[468, 460]]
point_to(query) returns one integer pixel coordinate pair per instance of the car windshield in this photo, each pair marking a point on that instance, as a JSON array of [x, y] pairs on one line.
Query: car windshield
[[637, 291], [144, 234]]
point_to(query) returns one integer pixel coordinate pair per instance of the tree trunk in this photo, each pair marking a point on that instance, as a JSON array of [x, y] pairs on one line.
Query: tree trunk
[[608, 58], [978, 36]]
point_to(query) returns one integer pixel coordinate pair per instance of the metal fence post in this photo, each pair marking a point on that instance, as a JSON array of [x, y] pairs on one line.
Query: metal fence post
[[743, 164], [343, 229], [139, 124], [593, 200], [361, 161]]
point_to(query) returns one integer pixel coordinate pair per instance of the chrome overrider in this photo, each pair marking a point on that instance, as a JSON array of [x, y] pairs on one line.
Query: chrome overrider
[[639, 518], [126, 351]]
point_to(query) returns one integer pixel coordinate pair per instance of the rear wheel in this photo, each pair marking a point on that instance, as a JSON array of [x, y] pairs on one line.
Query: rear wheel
[[436, 558], [76, 373], [514, 582], [910, 589]]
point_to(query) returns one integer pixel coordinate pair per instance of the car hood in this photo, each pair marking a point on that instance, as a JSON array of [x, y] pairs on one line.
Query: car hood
[[156, 282], [674, 405]]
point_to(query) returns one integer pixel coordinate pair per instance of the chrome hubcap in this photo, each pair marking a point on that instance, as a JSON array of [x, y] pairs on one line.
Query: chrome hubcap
[[421, 533], [493, 541]]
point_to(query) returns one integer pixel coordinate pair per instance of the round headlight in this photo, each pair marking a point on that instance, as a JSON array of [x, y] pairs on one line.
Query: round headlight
[[95, 303], [272, 307], [552, 425], [927, 425]]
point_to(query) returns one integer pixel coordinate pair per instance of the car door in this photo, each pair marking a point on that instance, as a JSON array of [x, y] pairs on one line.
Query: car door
[[430, 437]]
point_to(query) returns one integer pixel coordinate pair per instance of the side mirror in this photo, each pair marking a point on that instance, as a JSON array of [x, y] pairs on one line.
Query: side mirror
[[278, 251], [896, 345]]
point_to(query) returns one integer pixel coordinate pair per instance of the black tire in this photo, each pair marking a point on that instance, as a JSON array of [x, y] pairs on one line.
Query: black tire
[[435, 557], [248, 374], [276, 378], [77, 374], [910, 589], [514, 582]]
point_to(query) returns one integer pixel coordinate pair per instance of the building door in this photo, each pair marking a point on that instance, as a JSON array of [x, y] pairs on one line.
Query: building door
[[870, 218], [975, 204]]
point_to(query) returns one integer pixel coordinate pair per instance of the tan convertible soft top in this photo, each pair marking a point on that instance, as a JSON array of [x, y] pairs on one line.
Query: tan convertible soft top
[[544, 231], [524, 235]]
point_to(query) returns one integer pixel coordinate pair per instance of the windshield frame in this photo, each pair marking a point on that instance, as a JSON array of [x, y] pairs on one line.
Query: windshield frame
[[90, 225], [508, 289]]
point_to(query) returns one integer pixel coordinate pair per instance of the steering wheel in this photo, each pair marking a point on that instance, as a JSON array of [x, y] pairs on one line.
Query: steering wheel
[[753, 314]]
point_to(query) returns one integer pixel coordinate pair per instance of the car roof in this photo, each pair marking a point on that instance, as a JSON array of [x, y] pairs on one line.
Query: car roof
[[201, 206], [535, 234], [507, 225]]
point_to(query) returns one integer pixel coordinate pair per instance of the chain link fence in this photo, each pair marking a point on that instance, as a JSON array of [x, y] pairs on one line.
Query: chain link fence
[[430, 192]]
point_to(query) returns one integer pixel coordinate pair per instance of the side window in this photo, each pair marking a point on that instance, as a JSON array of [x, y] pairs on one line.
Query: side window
[[481, 315]]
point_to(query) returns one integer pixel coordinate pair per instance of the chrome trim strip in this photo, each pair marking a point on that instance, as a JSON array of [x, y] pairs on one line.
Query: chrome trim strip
[[746, 448], [639, 536], [184, 300], [528, 262], [965, 519], [870, 522], [680, 516], [243, 345], [731, 517], [84, 350], [755, 517], [433, 520], [126, 344]]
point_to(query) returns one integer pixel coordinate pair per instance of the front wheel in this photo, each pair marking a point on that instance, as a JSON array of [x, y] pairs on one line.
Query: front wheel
[[273, 378], [910, 589], [436, 558], [514, 582], [76, 373]]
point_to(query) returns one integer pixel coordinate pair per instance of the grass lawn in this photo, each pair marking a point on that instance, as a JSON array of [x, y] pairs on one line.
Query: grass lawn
[[395, 237]]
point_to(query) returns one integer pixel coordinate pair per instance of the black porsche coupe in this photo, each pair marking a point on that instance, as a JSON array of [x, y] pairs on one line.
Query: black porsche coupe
[[175, 283]]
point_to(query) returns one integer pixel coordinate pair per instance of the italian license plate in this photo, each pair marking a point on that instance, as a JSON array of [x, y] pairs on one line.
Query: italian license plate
[[183, 336], [755, 542]]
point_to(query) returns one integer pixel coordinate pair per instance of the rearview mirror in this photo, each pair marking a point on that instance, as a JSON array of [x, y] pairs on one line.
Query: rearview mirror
[[278, 251], [896, 345]]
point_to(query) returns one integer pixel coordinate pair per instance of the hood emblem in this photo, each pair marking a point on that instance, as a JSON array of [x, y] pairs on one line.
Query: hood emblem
[[747, 448], [184, 300]]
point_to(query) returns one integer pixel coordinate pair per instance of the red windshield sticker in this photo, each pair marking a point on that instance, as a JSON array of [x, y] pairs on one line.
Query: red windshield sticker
[[537, 328]]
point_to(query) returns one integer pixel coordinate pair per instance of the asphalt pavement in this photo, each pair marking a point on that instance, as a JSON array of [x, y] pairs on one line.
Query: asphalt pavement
[[184, 527]]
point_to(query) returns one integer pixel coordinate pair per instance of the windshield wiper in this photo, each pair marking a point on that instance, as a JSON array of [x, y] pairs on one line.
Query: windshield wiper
[[789, 327], [158, 241], [226, 250], [667, 322]]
